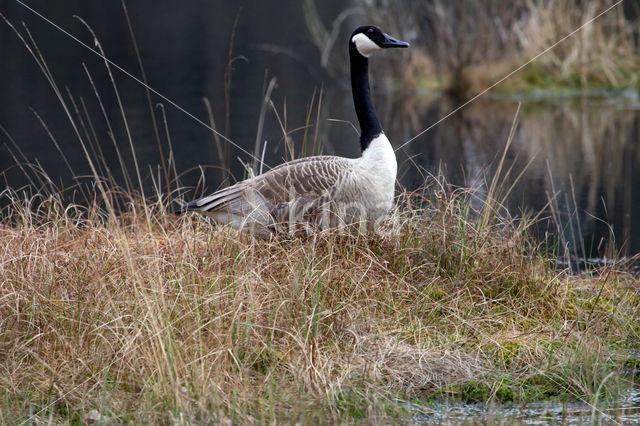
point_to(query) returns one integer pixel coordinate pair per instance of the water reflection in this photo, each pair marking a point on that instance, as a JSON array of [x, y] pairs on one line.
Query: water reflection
[[574, 159]]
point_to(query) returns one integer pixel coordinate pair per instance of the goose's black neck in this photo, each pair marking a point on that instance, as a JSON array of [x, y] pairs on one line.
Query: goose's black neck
[[370, 126]]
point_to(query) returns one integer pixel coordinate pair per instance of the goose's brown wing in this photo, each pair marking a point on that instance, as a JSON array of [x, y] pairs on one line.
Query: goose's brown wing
[[301, 181]]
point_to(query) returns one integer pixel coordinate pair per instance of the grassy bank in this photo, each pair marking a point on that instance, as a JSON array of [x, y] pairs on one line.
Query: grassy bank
[[146, 317]]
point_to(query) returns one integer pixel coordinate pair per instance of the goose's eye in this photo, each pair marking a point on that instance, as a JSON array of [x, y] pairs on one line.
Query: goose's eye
[[370, 30]]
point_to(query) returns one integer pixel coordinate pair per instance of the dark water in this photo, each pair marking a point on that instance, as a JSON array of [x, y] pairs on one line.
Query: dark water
[[578, 155]]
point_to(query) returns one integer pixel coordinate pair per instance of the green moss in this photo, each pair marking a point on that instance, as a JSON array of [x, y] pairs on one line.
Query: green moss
[[632, 365], [264, 362], [541, 387], [479, 391], [351, 404], [474, 391], [434, 293], [509, 352], [535, 75], [504, 393], [548, 386]]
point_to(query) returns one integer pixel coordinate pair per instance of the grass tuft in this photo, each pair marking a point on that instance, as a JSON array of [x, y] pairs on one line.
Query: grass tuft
[[146, 317]]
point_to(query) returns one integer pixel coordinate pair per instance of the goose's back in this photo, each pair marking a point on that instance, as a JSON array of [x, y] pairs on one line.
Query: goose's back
[[309, 177], [296, 188]]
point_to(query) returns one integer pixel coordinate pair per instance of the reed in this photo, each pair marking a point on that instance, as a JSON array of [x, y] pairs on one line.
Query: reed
[[466, 46]]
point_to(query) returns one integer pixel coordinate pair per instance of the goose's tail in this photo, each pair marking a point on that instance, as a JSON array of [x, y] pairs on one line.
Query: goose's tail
[[188, 207]]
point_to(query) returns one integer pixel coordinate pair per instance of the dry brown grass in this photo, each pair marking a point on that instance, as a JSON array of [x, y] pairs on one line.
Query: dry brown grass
[[604, 54], [150, 318]]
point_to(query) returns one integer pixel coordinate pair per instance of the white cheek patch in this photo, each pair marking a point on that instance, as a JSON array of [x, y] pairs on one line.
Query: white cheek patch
[[365, 45]]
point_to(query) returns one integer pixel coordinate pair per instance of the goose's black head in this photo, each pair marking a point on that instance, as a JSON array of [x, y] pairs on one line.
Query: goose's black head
[[368, 39]]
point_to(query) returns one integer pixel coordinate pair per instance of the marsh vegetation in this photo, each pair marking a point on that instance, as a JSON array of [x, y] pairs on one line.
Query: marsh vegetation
[[464, 47], [114, 310], [146, 317]]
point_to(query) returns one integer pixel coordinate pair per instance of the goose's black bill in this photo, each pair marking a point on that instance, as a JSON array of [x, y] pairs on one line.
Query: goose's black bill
[[392, 42]]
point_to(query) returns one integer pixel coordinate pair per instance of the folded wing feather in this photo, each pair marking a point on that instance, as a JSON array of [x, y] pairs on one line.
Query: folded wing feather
[[271, 198]]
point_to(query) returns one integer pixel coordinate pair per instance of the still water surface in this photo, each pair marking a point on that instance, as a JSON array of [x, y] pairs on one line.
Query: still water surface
[[577, 155], [625, 412]]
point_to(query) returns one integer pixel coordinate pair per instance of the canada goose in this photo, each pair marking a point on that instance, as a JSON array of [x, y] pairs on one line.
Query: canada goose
[[324, 190]]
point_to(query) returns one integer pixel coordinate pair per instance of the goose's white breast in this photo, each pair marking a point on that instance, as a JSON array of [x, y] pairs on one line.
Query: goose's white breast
[[372, 181]]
